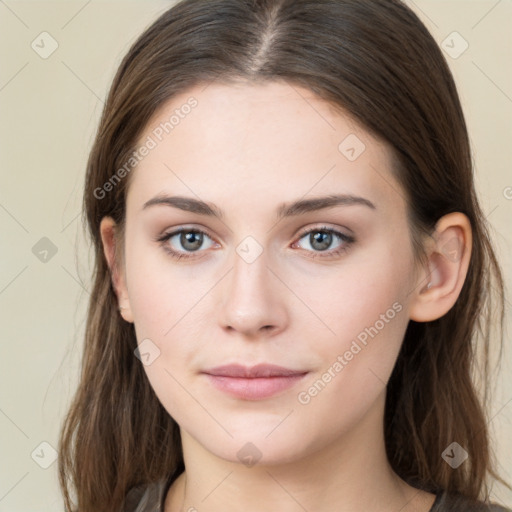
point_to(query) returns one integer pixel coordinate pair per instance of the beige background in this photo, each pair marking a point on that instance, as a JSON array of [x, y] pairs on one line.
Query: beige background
[[49, 111]]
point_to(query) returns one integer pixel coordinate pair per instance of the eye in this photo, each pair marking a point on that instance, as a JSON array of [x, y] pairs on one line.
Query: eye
[[184, 242], [180, 242], [320, 240]]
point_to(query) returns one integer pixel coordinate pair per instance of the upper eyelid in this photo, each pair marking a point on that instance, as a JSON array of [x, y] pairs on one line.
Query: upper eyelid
[[306, 231], [186, 229], [300, 232]]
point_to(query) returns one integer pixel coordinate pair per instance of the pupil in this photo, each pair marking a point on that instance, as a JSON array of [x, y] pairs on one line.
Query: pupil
[[195, 239], [323, 238]]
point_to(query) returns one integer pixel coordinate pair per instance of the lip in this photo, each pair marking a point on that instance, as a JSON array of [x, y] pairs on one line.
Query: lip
[[253, 383], [260, 370]]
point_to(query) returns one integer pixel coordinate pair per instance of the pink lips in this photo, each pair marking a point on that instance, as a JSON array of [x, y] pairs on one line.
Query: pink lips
[[255, 383]]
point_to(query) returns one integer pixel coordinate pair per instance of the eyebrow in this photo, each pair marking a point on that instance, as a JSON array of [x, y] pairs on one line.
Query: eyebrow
[[299, 207]]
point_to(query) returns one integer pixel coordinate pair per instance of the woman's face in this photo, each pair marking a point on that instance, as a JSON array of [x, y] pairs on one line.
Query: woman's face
[[295, 252]]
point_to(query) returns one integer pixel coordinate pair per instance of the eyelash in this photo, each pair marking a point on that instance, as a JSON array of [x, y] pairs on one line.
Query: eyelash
[[346, 239]]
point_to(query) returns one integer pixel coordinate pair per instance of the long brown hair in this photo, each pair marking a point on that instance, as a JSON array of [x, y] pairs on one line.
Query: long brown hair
[[375, 60]]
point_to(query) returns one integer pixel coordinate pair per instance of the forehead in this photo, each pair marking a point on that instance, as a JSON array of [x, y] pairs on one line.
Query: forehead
[[222, 141]]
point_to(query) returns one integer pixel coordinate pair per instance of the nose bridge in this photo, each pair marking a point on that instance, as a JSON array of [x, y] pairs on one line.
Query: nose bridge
[[251, 301]]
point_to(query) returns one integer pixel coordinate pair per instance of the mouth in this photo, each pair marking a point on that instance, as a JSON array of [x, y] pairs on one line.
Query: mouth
[[253, 383]]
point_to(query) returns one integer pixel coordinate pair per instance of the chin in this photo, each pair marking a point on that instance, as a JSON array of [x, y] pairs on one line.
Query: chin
[[251, 446]]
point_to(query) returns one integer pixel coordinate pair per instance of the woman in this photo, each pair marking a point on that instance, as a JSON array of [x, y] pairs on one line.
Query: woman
[[291, 269]]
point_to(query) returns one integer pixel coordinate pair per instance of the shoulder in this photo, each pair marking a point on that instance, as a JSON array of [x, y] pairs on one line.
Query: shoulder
[[146, 497], [452, 502]]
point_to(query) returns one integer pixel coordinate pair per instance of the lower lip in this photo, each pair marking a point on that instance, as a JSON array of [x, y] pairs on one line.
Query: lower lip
[[256, 388]]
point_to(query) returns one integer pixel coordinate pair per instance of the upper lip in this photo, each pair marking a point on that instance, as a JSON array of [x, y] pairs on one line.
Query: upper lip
[[260, 370]]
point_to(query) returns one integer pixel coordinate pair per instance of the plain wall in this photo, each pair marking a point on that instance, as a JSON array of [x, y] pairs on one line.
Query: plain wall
[[49, 110]]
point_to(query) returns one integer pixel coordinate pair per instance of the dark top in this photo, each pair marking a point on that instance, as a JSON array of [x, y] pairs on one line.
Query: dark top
[[151, 498]]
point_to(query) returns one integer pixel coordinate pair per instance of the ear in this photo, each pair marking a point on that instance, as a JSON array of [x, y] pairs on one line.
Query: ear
[[108, 238], [439, 285]]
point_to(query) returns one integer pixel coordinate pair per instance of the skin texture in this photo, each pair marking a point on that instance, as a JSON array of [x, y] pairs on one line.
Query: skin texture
[[247, 149]]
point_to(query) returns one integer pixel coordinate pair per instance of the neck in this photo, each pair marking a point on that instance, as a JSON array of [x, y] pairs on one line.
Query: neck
[[352, 472]]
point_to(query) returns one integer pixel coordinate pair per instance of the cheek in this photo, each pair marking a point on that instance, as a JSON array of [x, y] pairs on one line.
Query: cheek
[[169, 319], [160, 291], [364, 317], [370, 293], [358, 361]]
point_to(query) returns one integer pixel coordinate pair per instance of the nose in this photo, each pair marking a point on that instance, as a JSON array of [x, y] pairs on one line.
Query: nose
[[252, 299]]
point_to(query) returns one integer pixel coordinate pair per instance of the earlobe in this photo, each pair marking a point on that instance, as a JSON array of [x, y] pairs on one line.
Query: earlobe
[[439, 285], [107, 231]]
